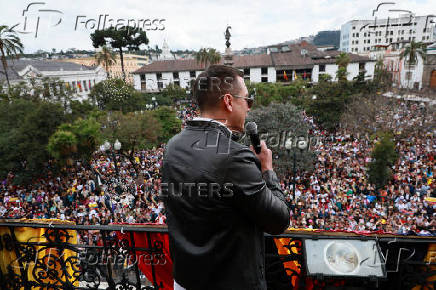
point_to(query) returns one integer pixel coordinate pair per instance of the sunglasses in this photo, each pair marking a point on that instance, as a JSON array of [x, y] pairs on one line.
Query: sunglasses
[[249, 99]]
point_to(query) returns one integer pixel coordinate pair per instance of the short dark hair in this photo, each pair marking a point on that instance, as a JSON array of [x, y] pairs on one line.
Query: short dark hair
[[214, 82]]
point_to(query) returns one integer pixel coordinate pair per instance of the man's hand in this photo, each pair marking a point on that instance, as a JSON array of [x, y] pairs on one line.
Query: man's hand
[[265, 157]]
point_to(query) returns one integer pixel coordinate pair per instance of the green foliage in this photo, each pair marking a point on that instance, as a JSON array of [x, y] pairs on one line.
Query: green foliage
[[62, 144], [117, 95], [81, 109], [135, 131], [383, 157], [174, 93], [171, 125], [119, 38], [267, 93], [324, 78], [10, 46], [25, 128], [342, 60], [105, 57], [76, 140], [208, 56], [278, 123], [45, 89], [330, 102]]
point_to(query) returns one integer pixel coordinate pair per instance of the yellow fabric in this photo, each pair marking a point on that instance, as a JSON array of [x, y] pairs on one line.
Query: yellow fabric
[[429, 258], [28, 234], [290, 266]]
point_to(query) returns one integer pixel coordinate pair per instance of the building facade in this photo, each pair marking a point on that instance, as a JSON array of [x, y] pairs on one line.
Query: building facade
[[361, 36], [132, 62], [302, 61], [429, 74], [79, 77]]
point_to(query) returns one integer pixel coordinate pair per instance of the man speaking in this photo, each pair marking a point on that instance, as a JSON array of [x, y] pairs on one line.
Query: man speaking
[[219, 195]]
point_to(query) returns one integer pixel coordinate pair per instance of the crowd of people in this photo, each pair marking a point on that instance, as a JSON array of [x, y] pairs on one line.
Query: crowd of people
[[336, 195]]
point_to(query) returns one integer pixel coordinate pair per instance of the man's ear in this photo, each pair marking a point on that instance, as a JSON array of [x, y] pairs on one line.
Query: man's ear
[[228, 102]]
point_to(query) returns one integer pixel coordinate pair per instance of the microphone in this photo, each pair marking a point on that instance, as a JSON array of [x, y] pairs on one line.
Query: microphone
[[251, 129]]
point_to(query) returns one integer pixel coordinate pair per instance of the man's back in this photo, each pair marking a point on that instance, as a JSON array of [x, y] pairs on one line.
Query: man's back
[[218, 206]]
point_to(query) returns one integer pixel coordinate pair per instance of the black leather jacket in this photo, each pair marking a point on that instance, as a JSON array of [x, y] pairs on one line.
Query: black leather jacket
[[218, 206]]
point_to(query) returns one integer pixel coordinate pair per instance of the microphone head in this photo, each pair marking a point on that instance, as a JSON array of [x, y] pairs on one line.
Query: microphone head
[[251, 128]]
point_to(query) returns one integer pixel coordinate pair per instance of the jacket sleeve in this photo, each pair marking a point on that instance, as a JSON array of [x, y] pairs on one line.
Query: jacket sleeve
[[257, 195]]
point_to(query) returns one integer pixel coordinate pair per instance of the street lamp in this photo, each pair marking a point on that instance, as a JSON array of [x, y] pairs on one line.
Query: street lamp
[[116, 146], [300, 144]]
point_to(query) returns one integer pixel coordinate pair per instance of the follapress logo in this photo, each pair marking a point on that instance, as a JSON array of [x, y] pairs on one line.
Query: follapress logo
[[37, 18]]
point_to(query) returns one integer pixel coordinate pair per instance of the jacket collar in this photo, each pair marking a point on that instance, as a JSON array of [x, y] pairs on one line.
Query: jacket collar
[[211, 123]]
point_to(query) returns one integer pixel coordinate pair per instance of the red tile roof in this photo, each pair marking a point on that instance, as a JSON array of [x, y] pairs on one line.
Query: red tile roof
[[293, 59]]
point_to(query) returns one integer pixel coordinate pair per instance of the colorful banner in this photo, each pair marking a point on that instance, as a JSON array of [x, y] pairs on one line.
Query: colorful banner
[[158, 261], [46, 260]]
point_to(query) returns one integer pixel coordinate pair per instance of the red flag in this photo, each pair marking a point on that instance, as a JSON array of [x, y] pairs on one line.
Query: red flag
[[285, 76]]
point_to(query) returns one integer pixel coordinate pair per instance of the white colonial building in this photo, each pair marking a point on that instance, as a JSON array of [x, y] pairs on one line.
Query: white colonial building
[[302, 60], [360, 36], [79, 77]]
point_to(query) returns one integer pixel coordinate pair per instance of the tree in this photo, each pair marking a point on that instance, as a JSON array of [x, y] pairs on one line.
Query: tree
[[382, 77], [105, 57], [117, 95], [174, 93], [329, 104], [10, 46], [208, 56], [171, 125], [47, 89], [363, 112], [267, 93], [278, 123], [25, 128], [411, 53], [123, 37], [135, 131], [383, 157], [342, 60]]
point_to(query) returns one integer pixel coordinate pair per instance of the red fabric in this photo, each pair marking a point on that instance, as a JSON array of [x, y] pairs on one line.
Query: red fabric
[[163, 265]]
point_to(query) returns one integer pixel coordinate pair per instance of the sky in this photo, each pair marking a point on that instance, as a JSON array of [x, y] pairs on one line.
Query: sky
[[190, 24]]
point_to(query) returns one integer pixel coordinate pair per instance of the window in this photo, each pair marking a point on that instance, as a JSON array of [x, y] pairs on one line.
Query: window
[[392, 32], [159, 75], [361, 66], [322, 67], [357, 34], [85, 86], [264, 70], [246, 71], [177, 83], [160, 84], [192, 74], [142, 77], [175, 75], [264, 79], [354, 27]]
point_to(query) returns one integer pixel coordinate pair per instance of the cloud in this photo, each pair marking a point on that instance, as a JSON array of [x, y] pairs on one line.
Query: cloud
[[196, 24]]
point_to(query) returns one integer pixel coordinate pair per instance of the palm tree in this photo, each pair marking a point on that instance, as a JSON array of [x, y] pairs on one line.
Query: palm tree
[[411, 53], [10, 45], [342, 60], [208, 56], [105, 57]]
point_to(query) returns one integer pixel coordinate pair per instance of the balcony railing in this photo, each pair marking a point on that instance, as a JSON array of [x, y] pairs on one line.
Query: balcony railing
[[41, 256]]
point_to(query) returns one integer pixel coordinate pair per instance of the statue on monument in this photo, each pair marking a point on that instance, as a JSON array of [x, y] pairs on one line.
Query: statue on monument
[[227, 36]]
